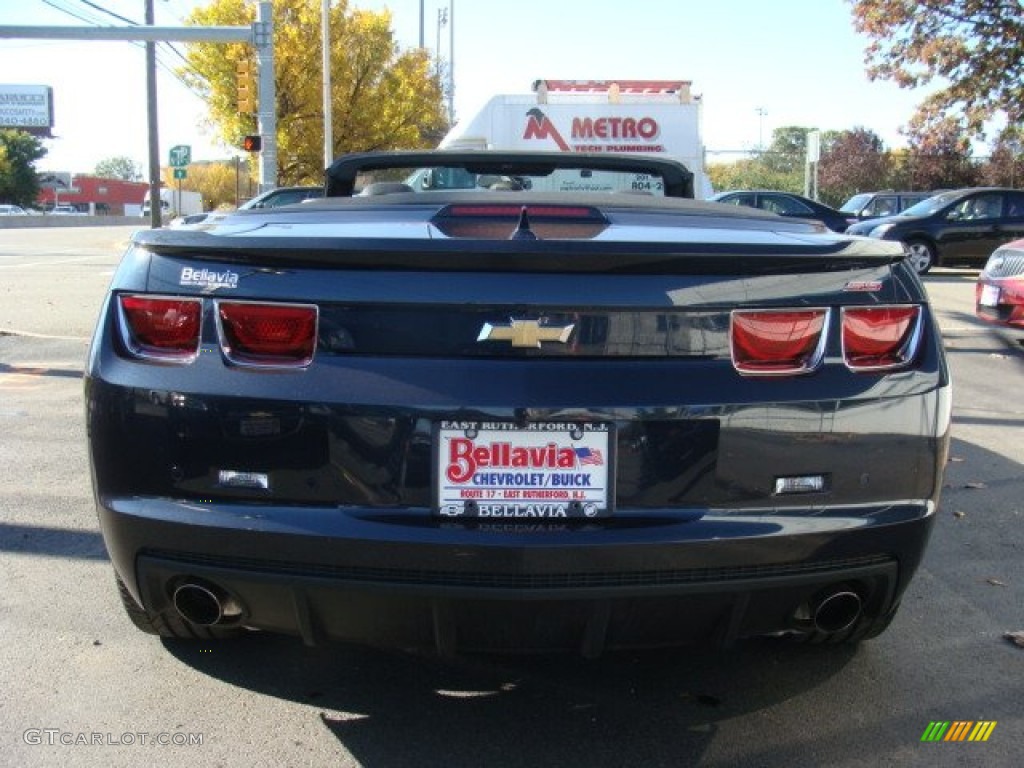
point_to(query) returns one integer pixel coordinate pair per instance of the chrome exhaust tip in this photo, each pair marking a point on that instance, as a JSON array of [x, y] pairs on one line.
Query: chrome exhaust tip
[[204, 604], [836, 611]]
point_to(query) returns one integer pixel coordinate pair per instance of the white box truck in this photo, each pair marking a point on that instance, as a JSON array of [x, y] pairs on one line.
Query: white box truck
[[660, 117], [174, 203]]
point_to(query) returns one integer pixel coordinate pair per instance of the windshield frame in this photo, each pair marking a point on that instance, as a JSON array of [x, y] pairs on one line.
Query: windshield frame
[[677, 179]]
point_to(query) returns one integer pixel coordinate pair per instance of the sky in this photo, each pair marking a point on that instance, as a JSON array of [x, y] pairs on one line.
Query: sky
[[757, 65]]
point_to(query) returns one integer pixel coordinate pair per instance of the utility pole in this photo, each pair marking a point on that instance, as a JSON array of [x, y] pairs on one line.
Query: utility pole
[[451, 62], [761, 112], [156, 208], [325, 35], [442, 19], [421, 24]]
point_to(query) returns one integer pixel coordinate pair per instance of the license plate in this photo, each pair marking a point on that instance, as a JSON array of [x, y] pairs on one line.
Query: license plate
[[551, 471], [989, 296]]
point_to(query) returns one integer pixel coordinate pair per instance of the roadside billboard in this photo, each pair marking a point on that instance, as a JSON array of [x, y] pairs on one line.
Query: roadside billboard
[[27, 108]]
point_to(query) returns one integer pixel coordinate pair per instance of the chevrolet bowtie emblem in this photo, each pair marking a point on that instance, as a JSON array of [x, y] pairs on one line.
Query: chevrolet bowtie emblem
[[525, 333]]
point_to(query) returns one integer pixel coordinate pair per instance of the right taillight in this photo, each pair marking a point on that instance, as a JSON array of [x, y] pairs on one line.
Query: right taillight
[[267, 335], [777, 342], [880, 338], [161, 328]]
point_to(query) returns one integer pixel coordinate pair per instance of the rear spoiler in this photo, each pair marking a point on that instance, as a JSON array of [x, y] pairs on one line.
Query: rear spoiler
[[341, 175]]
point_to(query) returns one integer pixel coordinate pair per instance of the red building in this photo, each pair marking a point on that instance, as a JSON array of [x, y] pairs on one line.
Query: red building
[[92, 194]]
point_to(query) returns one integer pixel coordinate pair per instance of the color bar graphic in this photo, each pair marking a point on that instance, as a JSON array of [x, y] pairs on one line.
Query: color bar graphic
[[958, 730]]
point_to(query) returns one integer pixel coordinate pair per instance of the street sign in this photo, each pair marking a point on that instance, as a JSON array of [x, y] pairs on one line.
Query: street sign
[[181, 156], [180, 173], [813, 146]]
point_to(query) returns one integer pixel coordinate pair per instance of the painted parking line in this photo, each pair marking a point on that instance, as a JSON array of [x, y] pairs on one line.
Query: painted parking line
[[33, 335], [52, 262], [36, 374]]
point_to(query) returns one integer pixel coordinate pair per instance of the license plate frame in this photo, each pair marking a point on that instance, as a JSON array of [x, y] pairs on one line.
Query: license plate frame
[[556, 471]]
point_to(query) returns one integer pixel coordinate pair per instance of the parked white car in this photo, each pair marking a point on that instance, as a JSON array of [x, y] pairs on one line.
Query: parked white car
[[65, 209]]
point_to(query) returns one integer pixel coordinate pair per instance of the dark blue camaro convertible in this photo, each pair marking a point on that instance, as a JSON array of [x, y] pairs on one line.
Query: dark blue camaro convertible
[[515, 402]]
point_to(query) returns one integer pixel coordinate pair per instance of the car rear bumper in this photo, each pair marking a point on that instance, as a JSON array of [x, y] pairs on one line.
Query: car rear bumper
[[410, 581], [1005, 305]]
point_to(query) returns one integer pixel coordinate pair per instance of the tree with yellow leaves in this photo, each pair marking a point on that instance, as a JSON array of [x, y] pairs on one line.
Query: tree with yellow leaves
[[381, 98], [222, 184]]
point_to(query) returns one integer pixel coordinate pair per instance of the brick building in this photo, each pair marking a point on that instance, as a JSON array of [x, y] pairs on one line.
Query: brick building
[[104, 197]]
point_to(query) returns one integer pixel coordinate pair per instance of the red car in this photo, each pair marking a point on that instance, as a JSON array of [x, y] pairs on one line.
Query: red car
[[999, 294]]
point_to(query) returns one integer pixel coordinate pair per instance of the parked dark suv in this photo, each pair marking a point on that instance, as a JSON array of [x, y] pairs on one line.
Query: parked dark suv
[[962, 226], [874, 205]]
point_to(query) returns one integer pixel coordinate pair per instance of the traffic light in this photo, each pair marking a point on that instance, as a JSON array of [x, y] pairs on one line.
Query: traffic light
[[252, 143], [246, 87]]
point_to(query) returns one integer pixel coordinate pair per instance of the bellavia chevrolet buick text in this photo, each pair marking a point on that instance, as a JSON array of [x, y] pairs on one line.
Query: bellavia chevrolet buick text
[[548, 414]]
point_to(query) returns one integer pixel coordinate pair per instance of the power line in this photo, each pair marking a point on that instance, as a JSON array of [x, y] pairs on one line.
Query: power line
[[96, 21], [69, 12], [110, 13], [100, 8]]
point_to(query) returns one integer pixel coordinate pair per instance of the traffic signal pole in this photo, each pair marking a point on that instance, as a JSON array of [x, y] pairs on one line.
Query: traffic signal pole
[[266, 115], [259, 34]]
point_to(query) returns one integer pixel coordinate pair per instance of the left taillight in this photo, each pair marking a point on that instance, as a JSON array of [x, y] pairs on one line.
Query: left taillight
[[880, 338], [777, 342], [267, 335], [161, 328]]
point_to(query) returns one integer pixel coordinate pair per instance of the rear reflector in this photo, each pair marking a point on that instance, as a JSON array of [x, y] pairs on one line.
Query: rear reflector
[[164, 328], [267, 335], [777, 342], [880, 338]]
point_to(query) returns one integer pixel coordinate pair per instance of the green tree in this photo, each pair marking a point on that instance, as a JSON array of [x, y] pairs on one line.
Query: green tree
[[788, 150], [217, 182], [19, 152], [780, 167], [975, 48], [381, 98], [753, 173], [119, 167]]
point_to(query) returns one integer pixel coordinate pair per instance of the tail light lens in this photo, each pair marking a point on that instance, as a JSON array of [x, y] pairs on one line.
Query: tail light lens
[[880, 338], [164, 328], [267, 335], [777, 342]]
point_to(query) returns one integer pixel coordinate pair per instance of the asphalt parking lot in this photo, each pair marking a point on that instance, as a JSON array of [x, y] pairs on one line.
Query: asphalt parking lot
[[82, 687]]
